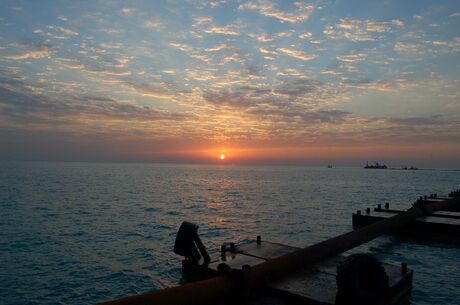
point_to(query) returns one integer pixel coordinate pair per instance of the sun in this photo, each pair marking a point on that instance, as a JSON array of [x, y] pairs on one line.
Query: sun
[[222, 156]]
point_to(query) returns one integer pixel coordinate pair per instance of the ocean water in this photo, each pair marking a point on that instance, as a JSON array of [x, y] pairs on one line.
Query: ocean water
[[81, 233]]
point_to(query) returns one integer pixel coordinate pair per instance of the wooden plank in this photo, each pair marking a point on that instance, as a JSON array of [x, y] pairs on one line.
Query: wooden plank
[[250, 254], [317, 285], [446, 217], [443, 229], [265, 250], [440, 214], [309, 287], [447, 214], [314, 285], [236, 261]]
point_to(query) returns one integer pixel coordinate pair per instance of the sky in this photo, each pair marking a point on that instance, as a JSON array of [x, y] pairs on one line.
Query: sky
[[269, 82]]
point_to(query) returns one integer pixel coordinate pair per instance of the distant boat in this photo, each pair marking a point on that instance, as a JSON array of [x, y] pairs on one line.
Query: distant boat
[[376, 165], [329, 166], [409, 168]]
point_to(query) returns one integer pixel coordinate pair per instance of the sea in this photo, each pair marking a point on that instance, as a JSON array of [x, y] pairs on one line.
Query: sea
[[82, 233]]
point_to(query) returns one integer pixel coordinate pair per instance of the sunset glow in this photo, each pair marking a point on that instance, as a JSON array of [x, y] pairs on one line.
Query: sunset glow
[[273, 81], [222, 156]]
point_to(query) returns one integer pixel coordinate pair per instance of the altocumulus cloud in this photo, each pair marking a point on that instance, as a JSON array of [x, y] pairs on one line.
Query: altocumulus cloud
[[21, 105], [267, 8]]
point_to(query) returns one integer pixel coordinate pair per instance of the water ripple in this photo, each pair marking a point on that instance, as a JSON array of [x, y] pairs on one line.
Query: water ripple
[[80, 233]]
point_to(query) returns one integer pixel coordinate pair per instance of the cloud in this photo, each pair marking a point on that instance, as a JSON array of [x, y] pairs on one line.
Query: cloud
[[331, 72], [217, 48], [153, 24], [107, 71], [393, 84], [408, 48], [306, 35], [128, 11], [267, 51], [156, 90], [241, 97], [34, 50], [457, 14], [206, 25], [283, 34], [439, 43], [416, 121], [361, 30], [106, 45], [31, 54], [297, 87], [264, 37], [297, 54], [269, 9], [111, 31], [352, 58], [223, 30], [20, 105], [217, 3], [65, 31], [104, 64], [293, 89], [70, 63], [59, 32], [200, 21], [300, 115], [182, 46], [281, 104], [397, 23], [427, 47], [348, 61]]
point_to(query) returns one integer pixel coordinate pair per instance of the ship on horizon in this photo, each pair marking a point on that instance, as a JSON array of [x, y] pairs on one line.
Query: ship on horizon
[[376, 165], [409, 168]]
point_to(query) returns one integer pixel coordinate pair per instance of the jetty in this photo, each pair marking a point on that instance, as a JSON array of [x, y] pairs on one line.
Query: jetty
[[443, 225], [316, 274]]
